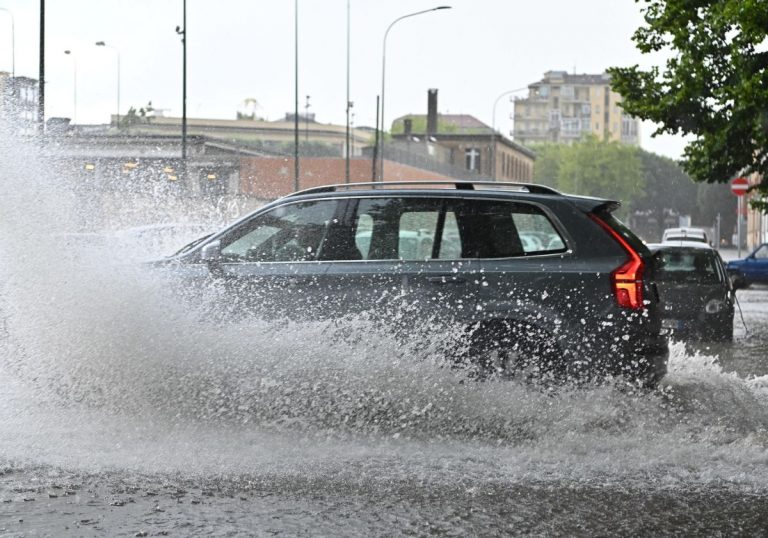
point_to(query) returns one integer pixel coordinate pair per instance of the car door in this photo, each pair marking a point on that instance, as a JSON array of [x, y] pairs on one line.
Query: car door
[[271, 265], [368, 262], [756, 265], [489, 263]]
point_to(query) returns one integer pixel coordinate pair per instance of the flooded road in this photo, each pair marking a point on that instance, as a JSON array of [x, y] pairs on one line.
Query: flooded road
[[375, 446], [125, 413]]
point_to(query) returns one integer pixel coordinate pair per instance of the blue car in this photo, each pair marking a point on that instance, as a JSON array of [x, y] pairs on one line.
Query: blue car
[[751, 270]]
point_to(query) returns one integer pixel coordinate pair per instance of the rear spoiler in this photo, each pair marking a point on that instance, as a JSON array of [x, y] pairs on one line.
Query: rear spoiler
[[594, 205]]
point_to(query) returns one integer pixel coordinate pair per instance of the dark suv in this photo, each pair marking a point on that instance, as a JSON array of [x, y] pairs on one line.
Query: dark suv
[[543, 282]]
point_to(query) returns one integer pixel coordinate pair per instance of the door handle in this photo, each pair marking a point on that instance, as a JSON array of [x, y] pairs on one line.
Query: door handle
[[447, 279]]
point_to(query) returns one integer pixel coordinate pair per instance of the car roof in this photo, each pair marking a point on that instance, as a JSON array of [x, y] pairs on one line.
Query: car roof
[[680, 245], [456, 188]]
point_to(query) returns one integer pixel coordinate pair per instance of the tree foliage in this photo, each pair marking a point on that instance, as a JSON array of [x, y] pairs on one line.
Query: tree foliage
[[591, 167], [714, 86], [669, 193]]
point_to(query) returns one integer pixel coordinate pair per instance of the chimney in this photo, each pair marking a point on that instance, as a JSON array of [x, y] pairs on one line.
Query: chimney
[[407, 126], [431, 112]]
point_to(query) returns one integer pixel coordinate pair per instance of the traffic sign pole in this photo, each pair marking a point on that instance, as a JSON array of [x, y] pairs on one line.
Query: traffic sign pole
[[739, 187], [738, 224]]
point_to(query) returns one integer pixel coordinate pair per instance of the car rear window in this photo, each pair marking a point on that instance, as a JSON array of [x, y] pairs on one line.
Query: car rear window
[[689, 265]]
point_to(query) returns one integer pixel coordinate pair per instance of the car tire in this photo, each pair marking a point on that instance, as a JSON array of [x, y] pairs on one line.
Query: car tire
[[507, 350]]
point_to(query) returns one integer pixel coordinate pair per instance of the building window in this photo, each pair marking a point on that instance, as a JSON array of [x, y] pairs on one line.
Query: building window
[[472, 159]]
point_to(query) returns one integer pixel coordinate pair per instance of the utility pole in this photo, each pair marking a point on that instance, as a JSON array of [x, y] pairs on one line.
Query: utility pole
[[183, 33], [296, 169], [349, 105], [41, 76], [376, 141]]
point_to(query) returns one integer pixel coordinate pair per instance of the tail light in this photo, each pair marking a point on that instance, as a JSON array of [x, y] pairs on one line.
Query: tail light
[[627, 280]]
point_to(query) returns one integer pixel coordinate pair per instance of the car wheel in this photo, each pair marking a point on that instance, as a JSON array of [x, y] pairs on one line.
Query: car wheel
[[509, 350]]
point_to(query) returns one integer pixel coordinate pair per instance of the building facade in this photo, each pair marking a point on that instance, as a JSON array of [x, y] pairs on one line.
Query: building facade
[[18, 104], [564, 107], [467, 145]]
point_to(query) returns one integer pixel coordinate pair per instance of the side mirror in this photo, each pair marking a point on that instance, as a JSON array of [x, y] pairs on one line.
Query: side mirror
[[211, 253]]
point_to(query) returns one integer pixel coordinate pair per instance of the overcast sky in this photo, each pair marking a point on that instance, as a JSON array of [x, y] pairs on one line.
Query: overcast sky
[[239, 49]]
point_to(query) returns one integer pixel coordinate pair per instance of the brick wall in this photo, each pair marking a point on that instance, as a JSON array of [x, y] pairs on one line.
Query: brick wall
[[272, 177]]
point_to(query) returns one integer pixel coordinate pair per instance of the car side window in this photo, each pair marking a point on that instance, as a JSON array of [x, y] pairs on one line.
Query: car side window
[[408, 228], [289, 233], [762, 253], [397, 228], [492, 229]]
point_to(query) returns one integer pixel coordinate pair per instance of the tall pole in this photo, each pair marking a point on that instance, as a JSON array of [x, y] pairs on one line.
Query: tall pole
[[493, 129], [375, 142], [117, 51], [738, 225], [383, 75], [184, 93], [41, 75], [296, 168], [349, 105]]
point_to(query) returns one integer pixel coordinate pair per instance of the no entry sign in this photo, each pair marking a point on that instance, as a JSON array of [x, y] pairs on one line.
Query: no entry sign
[[739, 186]]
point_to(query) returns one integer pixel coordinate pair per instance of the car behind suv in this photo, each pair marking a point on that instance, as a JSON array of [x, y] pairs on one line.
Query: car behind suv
[[543, 282], [696, 294]]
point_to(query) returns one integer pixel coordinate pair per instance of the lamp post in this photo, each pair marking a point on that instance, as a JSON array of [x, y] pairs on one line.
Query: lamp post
[[493, 129], [296, 164], [182, 31], [74, 84], [383, 74], [349, 106], [103, 44]]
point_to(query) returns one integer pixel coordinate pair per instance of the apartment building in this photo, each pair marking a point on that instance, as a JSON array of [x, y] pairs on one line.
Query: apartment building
[[564, 107]]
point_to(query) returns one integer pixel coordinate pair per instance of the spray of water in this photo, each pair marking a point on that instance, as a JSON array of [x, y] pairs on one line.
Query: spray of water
[[104, 357]]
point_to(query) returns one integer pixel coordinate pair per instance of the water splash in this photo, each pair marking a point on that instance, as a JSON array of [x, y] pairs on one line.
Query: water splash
[[107, 368]]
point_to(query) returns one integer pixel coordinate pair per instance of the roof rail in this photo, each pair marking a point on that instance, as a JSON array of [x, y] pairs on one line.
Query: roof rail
[[532, 188]]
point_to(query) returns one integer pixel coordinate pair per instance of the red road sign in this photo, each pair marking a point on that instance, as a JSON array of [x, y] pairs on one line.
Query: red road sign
[[739, 186]]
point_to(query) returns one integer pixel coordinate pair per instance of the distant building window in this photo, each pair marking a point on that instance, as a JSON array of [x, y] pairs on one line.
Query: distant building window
[[570, 125], [567, 92], [472, 159], [544, 91], [597, 109], [628, 127]]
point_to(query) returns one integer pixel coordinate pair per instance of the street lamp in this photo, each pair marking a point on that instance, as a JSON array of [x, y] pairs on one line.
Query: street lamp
[[383, 73], [74, 84], [493, 129], [103, 44], [182, 31]]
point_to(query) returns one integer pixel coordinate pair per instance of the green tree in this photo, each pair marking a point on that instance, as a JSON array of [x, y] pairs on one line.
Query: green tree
[[714, 86], [547, 168], [669, 192], [592, 167]]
